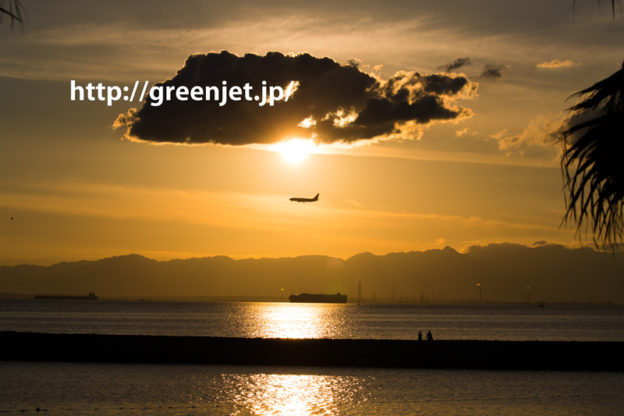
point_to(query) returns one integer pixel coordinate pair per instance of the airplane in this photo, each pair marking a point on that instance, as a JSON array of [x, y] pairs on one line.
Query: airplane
[[305, 199]]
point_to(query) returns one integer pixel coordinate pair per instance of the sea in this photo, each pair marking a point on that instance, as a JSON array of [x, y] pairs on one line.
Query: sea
[[145, 389]]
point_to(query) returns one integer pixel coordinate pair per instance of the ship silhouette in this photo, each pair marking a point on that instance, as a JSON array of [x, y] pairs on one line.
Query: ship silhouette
[[318, 298], [90, 296]]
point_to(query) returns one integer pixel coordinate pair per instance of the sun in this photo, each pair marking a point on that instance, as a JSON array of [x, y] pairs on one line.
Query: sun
[[295, 150]]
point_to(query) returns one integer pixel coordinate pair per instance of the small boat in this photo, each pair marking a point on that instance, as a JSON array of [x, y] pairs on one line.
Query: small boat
[[318, 298]]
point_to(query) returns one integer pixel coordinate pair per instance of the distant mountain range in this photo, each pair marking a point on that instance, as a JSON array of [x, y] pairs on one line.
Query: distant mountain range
[[554, 273]]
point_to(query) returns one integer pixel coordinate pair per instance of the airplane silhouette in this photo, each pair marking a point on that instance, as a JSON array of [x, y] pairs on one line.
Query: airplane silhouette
[[294, 199]]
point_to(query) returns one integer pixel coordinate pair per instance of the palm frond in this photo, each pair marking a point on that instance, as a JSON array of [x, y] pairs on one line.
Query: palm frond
[[612, 7], [13, 10], [593, 161]]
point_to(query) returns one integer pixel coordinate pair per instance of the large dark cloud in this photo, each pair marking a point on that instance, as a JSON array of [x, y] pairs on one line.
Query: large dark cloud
[[340, 102], [456, 64]]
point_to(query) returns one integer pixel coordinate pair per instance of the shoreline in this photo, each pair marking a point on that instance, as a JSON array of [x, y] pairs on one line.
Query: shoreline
[[442, 354]]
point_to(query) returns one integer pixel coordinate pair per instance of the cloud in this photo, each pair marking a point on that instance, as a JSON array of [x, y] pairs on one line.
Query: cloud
[[456, 64], [493, 71], [466, 131], [557, 63], [539, 139], [340, 103]]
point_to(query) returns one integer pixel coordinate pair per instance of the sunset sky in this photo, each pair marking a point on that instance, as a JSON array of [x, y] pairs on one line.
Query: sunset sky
[[72, 187]]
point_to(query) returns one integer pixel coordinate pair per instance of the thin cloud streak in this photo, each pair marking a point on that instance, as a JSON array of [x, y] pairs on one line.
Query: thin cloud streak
[[557, 64]]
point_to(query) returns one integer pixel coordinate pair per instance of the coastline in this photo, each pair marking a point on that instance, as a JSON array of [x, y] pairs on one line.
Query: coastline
[[440, 354]]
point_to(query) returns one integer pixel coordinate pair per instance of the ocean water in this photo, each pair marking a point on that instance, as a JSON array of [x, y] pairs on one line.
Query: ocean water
[[115, 389], [286, 320], [133, 389]]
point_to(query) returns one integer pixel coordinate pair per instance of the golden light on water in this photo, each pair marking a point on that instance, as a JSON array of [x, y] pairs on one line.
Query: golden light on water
[[290, 394], [289, 320], [293, 394]]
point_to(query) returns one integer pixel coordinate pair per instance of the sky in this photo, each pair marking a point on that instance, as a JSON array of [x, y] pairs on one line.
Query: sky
[[478, 164]]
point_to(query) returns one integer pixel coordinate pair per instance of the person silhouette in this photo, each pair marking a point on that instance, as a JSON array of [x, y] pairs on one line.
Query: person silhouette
[[419, 335], [429, 336]]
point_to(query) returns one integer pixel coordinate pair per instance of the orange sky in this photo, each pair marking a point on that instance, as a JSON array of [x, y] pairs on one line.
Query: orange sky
[[76, 189]]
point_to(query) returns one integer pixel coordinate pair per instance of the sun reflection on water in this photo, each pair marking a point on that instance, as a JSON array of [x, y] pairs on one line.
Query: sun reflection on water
[[291, 321], [292, 394]]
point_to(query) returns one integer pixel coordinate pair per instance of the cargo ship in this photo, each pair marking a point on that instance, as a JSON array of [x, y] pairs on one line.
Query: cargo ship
[[90, 296], [318, 298]]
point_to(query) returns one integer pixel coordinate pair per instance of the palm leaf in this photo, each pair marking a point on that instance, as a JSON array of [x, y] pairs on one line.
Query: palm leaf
[[13, 10], [593, 161]]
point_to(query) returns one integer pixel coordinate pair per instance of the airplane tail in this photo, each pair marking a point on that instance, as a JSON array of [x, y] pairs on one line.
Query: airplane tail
[[316, 197]]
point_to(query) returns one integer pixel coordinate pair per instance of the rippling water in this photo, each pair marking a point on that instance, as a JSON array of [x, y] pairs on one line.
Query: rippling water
[[248, 319], [114, 389]]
